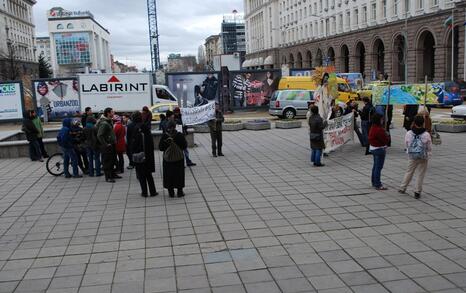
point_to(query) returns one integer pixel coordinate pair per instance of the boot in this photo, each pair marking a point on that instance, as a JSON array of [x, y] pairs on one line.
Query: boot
[[214, 153], [220, 154], [108, 177], [171, 192], [180, 192]]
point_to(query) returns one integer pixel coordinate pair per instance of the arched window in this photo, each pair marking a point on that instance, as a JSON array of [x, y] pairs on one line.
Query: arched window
[[70, 26], [60, 26]]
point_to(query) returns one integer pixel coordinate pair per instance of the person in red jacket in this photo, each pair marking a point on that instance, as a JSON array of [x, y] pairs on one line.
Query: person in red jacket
[[120, 146], [378, 141]]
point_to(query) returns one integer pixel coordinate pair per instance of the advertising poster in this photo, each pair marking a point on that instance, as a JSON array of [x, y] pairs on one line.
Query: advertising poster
[[72, 48], [199, 114], [410, 94], [59, 96], [338, 132], [196, 88], [301, 71], [253, 88], [11, 105]]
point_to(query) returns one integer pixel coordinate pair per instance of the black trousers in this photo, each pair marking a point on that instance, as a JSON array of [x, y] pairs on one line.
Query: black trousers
[[216, 137], [42, 147], [120, 163], [145, 179], [108, 160]]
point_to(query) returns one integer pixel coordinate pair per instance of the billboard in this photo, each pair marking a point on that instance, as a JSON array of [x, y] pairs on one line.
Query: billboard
[[11, 102], [120, 91], [253, 88], [59, 96], [194, 86], [72, 48]]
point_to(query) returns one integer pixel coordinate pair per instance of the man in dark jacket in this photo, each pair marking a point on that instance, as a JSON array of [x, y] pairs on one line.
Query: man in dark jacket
[[91, 146], [106, 138], [87, 113], [366, 114], [215, 126], [66, 142], [316, 129], [32, 135]]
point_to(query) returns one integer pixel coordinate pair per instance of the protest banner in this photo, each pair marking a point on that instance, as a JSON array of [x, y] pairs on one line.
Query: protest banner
[[198, 115], [338, 132]]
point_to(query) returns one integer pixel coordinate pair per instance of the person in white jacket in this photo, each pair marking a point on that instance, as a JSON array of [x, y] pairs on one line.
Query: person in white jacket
[[419, 148]]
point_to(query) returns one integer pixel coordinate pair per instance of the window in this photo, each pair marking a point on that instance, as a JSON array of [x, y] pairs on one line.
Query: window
[[60, 26], [395, 8], [356, 16], [373, 11], [364, 15], [320, 6], [434, 2], [70, 26], [384, 8]]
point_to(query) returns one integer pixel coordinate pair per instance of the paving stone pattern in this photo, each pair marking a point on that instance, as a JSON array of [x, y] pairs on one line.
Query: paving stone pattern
[[260, 219]]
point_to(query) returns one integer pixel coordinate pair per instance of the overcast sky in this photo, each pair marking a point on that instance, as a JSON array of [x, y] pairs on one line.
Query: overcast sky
[[183, 24]]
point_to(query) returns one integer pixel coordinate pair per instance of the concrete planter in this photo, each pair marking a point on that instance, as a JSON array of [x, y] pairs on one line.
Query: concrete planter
[[201, 128], [257, 125], [233, 126], [287, 124], [452, 128]]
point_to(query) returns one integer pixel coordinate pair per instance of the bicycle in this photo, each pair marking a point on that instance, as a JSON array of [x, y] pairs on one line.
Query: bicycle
[[55, 165]]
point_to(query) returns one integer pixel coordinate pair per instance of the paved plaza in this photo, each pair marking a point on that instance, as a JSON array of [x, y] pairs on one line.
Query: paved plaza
[[260, 219]]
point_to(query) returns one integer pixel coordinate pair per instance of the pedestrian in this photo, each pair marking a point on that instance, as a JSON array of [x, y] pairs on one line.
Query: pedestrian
[[424, 112], [419, 148], [172, 145], [66, 141], [409, 112], [378, 141], [120, 144], [352, 107], [365, 115], [337, 111], [163, 122], [32, 135], [92, 149], [215, 127], [87, 113], [106, 138], [40, 135], [129, 126], [142, 148], [146, 116], [179, 121], [76, 132], [316, 135]]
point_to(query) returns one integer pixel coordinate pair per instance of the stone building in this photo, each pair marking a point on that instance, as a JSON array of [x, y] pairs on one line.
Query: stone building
[[178, 63], [212, 48], [372, 37]]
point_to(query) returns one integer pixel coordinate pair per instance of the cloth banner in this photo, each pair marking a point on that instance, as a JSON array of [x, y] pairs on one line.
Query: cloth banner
[[408, 94], [198, 115], [338, 132]]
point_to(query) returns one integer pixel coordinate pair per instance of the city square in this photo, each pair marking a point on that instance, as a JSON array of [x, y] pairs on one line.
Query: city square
[[261, 219]]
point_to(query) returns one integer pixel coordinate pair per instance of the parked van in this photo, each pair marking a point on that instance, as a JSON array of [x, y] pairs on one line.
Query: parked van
[[162, 94], [305, 83], [354, 79], [290, 103]]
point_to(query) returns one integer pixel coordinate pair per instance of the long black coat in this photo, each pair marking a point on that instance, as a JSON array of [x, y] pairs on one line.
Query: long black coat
[[173, 172], [136, 145], [317, 125], [410, 111]]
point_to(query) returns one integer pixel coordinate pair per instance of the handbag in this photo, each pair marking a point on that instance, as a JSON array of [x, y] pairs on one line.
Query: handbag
[[140, 157], [436, 139]]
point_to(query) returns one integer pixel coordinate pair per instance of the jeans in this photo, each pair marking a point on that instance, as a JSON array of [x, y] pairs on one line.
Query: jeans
[[186, 156], [42, 147], [34, 150], [316, 155], [379, 160], [70, 155], [365, 125], [94, 162]]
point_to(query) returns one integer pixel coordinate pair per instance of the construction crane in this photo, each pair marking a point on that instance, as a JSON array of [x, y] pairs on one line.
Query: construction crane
[[153, 34]]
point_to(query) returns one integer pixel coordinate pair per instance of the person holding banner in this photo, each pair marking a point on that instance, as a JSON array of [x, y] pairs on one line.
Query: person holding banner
[[215, 126], [378, 141], [316, 134], [179, 121]]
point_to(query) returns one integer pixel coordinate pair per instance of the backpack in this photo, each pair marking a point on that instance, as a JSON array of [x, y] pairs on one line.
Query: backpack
[[173, 153], [417, 149]]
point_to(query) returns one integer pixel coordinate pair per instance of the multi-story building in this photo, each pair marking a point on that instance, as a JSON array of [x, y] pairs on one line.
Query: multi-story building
[[400, 38], [77, 43], [212, 48], [17, 42], [43, 48], [178, 63], [233, 34]]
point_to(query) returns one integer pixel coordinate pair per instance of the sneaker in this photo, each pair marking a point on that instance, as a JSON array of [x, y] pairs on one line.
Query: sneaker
[[319, 165], [417, 195], [154, 194], [190, 164], [381, 188], [221, 155]]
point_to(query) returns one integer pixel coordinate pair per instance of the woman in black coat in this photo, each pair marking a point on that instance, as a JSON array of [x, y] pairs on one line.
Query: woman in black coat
[[142, 133], [173, 171]]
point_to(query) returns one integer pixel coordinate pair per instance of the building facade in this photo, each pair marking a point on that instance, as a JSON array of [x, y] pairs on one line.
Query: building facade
[[43, 48], [178, 63], [17, 42], [212, 48], [403, 38], [78, 43], [233, 35]]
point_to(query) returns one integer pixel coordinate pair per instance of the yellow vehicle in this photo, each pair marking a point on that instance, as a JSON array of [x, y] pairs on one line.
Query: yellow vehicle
[[161, 108], [304, 83], [366, 90]]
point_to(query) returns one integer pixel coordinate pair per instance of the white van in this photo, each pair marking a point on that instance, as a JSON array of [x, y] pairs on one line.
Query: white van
[[162, 94]]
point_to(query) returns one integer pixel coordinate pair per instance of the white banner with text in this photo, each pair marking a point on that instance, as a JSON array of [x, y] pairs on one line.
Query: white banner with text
[[198, 115], [338, 132]]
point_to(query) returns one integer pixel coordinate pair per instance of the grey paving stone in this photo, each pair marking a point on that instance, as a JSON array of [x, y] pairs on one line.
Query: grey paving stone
[[295, 285], [33, 285], [255, 276], [264, 287], [403, 286], [434, 283], [326, 282], [221, 280]]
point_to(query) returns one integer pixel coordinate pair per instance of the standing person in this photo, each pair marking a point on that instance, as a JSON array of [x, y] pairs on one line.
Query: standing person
[[92, 149], [172, 145], [419, 148], [352, 106], [87, 113], [210, 87], [106, 138], [337, 111], [129, 126], [316, 135], [378, 141], [79, 141], [142, 142], [268, 87], [120, 144], [366, 114], [215, 127], [163, 122], [146, 116], [32, 135], [179, 121], [40, 135], [409, 112], [424, 112], [66, 141]]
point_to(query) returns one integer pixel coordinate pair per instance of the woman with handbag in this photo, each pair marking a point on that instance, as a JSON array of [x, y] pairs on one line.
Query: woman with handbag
[[172, 144], [142, 151]]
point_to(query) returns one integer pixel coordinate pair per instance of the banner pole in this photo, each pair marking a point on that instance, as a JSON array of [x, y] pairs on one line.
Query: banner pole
[[452, 43], [388, 103], [425, 91]]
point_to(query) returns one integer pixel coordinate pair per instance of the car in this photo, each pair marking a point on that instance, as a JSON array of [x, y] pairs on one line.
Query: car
[[459, 112], [161, 108], [290, 103], [366, 91], [450, 95]]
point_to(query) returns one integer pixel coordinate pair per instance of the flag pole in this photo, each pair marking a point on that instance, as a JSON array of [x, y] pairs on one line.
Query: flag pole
[[425, 91], [452, 43]]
